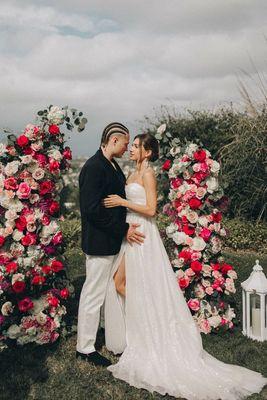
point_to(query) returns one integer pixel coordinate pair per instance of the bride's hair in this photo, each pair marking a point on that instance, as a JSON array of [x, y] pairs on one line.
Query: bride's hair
[[150, 143]]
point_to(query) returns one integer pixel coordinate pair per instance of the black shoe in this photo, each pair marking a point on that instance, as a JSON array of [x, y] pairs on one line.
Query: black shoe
[[94, 358]]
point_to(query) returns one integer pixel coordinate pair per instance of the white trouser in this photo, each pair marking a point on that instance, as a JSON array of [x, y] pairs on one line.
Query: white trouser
[[92, 297]]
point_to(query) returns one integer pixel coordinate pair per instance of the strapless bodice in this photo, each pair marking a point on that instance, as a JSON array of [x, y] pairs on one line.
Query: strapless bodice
[[135, 193]]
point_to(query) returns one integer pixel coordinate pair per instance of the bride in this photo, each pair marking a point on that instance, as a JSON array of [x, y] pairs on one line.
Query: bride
[[146, 315]]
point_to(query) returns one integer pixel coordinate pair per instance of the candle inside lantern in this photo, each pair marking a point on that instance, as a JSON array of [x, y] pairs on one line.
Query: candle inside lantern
[[256, 322]]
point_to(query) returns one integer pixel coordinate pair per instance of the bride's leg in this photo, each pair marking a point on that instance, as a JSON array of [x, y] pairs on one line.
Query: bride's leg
[[120, 277]]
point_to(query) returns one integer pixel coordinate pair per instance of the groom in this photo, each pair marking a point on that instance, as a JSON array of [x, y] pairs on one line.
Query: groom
[[102, 233]]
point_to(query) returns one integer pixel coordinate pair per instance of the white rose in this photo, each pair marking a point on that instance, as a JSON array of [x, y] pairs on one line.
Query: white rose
[[214, 321], [161, 129], [175, 150], [215, 166], [55, 154], [230, 314], [11, 215], [192, 216], [56, 115], [179, 237], [11, 168], [26, 159], [15, 205], [50, 229], [17, 277], [2, 149], [212, 184], [41, 318], [232, 274], [203, 221], [198, 244], [229, 285], [37, 146], [171, 229], [191, 148], [13, 331], [17, 235], [7, 308]]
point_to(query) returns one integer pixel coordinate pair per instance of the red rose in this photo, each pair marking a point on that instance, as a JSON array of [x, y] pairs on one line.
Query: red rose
[[38, 280], [194, 203], [217, 217], [183, 282], [41, 159], [29, 239], [22, 141], [167, 165], [185, 254], [196, 266], [21, 223], [57, 238], [2, 241], [67, 153], [45, 220], [200, 155], [25, 304], [46, 269], [28, 151], [54, 207], [226, 268], [216, 267], [188, 230], [19, 286], [53, 301], [56, 266], [54, 166], [53, 129], [11, 183], [46, 187], [205, 234], [11, 267], [64, 293]]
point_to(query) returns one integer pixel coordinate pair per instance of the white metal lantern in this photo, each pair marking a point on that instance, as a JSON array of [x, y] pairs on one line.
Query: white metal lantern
[[254, 299]]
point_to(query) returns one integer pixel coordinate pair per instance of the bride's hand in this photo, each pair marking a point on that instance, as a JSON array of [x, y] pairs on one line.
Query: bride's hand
[[113, 200]]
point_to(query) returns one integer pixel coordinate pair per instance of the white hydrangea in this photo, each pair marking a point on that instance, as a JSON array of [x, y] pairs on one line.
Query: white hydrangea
[[56, 115]]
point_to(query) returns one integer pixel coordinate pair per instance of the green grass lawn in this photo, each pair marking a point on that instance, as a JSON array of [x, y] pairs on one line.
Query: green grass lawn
[[52, 372]]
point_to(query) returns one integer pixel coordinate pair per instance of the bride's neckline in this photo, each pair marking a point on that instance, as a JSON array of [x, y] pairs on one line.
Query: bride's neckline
[[135, 183]]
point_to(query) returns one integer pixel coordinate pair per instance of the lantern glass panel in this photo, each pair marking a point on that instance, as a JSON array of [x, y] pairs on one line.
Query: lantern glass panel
[[255, 315]]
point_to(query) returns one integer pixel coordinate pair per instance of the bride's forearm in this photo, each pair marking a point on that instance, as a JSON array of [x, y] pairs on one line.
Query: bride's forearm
[[146, 210]]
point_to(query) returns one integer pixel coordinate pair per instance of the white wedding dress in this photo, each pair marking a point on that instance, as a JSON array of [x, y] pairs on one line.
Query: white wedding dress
[[161, 344]]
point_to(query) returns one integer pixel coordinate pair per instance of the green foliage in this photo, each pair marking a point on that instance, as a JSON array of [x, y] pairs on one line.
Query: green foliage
[[236, 139], [71, 229], [244, 235]]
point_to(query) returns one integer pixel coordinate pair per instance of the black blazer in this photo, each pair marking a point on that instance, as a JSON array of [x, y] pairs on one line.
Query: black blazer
[[103, 228]]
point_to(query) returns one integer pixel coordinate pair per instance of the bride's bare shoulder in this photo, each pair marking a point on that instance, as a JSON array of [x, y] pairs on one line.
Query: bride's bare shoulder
[[149, 174]]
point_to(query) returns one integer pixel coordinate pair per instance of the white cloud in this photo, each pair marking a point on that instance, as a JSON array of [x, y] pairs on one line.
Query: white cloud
[[133, 57]]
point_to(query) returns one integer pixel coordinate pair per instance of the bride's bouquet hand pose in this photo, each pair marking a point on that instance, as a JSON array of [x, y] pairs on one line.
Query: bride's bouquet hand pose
[[146, 315]]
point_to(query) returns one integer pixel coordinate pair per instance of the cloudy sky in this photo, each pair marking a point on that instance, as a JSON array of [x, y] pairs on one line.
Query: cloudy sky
[[121, 60]]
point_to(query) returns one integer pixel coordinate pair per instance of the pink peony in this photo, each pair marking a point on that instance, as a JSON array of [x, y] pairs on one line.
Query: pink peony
[[204, 326], [194, 304], [23, 191]]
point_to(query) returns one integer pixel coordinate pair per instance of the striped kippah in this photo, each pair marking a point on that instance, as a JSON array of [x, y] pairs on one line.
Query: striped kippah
[[110, 129]]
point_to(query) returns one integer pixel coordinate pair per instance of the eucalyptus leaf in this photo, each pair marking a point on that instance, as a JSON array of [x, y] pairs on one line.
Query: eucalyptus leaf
[[84, 121], [77, 121]]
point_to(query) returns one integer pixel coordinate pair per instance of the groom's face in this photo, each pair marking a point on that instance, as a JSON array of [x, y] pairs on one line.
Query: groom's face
[[120, 145]]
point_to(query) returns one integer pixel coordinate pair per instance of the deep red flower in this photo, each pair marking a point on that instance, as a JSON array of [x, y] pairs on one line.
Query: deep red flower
[[38, 280], [46, 187], [54, 207], [11, 267], [188, 230], [53, 129], [46, 269], [64, 293], [194, 203], [67, 154], [183, 282], [185, 254], [29, 239], [200, 155], [56, 266], [19, 286], [41, 159], [225, 268], [45, 220], [25, 304], [216, 267], [167, 165], [21, 223], [2, 241], [196, 266], [53, 301], [22, 141], [54, 166], [57, 238], [217, 217]]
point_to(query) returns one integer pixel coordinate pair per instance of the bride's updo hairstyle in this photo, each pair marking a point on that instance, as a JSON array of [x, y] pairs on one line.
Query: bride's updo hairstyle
[[149, 142]]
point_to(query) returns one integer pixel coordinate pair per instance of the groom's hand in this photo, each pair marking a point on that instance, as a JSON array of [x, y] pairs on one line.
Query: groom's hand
[[134, 236]]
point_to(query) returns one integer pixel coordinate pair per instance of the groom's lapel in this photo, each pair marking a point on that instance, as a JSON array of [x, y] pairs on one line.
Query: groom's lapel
[[118, 174]]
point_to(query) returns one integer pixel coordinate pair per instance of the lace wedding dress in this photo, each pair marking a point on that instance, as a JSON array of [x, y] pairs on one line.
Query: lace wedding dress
[[161, 344]]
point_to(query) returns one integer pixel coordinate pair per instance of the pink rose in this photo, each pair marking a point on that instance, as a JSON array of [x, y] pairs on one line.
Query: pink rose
[[194, 304], [205, 234], [204, 326], [209, 290], [23, 191]]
